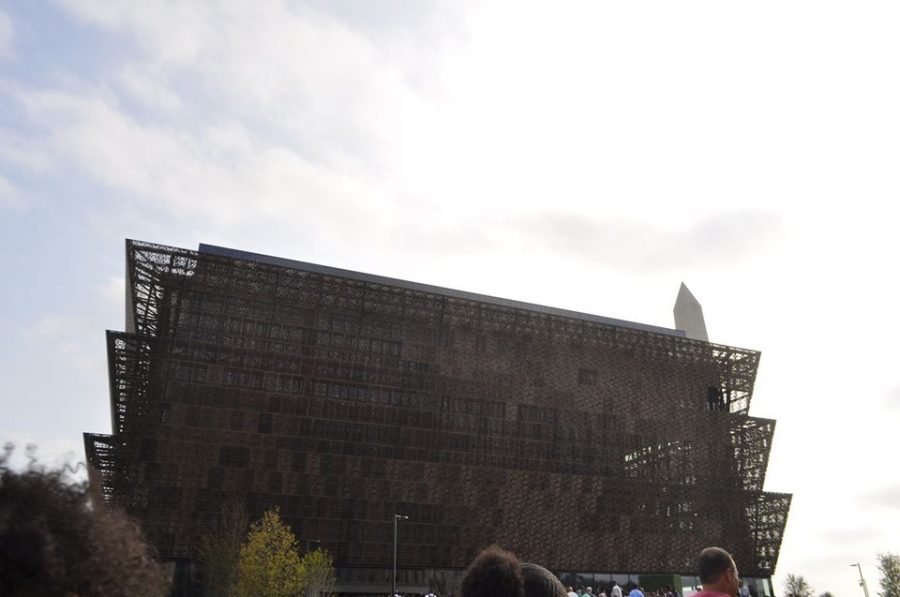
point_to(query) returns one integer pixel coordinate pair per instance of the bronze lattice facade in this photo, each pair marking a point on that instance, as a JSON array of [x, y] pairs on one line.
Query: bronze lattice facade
[[577, 441]]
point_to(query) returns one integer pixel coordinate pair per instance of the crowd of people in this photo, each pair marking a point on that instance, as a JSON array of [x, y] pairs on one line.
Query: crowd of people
[[614, 590], [499, 573]]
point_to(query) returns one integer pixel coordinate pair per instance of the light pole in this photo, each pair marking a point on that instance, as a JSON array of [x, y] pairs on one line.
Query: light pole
[[862, 581], [398, 518]]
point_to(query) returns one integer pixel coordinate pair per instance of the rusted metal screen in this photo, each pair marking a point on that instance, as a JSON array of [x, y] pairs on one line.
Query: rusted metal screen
[[579, 444]]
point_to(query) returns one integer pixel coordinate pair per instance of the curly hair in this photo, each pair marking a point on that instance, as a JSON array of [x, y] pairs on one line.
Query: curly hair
[[54, 542], [540, 582], [494, 573]]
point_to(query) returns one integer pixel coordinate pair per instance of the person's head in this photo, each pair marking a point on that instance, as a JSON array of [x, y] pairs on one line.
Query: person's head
[[540, 582], [494, 573], [718, 571], [53, 542]]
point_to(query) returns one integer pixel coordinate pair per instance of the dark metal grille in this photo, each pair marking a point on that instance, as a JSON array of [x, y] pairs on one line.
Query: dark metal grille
[[576, 443]]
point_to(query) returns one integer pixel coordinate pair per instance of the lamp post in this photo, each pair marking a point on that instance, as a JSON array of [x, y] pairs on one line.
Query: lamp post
[[862, 581], [398, 518]]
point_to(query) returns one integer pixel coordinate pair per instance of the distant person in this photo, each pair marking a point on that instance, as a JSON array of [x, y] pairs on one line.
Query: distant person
[[718, 573], [616, 590], [745, 590], [588, 592], [572, 592], [55, 543], [636, 592]]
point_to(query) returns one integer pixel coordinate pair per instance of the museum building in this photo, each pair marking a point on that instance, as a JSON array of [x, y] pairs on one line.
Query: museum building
[[602, 449]]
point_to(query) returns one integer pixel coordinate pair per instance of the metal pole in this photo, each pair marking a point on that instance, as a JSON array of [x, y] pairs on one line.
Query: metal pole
[[397, 518], [862, 581]]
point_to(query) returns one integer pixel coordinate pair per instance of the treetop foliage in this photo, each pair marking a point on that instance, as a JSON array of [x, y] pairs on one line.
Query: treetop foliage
[[220, 551], [270, 564], [889, 566], [795, 585], [318, 572]]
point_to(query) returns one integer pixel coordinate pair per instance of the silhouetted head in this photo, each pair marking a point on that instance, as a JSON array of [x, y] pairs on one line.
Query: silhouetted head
[[718, 571], [494, 573], [540, 582]]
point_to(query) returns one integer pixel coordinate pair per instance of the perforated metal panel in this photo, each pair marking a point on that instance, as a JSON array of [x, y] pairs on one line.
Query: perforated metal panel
[[579, 442]]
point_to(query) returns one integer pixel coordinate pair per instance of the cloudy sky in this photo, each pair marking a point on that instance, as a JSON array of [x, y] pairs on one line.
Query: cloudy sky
[[589, 156]]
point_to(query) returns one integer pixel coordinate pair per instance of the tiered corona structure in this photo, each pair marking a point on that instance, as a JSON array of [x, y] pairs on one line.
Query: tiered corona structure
[[584, 443]]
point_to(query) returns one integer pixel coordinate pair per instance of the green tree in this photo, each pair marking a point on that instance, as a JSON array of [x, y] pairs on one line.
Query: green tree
[[270, 564], [889, 566], [220, 551], [796, 586], [826, 594], [318, 573]]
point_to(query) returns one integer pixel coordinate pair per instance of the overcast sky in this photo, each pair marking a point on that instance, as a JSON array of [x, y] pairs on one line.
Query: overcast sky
[[589, 156]]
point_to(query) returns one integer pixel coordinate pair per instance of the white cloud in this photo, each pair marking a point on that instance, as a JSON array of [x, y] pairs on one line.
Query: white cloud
[[60, 326], [10, 196], [149, 88], [721, 239], [892, 399], [22, 152], [114, 290], [277, 63], [886, 496], [225, 175], [7, 35], [78, 340]]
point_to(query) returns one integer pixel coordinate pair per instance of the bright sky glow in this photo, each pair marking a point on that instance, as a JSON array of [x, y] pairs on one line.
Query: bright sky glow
[[588, 156]]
